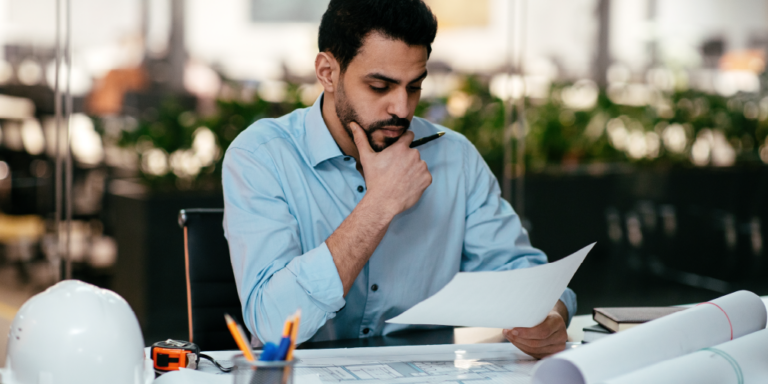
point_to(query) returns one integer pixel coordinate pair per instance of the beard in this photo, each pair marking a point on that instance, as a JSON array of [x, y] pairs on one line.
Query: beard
[[347, 114]]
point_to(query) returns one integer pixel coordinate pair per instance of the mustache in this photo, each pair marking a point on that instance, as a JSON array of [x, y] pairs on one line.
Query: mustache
[[394, 121]]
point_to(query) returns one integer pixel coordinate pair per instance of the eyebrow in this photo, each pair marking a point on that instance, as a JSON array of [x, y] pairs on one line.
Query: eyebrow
[[388, 79]]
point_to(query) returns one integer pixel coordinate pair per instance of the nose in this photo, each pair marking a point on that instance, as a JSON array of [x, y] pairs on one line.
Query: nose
[[398, 104]]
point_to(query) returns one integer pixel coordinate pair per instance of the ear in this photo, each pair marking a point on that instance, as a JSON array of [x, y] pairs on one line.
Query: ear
[[327, 71]]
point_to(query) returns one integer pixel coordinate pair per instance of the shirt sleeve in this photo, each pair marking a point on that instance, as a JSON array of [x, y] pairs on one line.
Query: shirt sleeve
[[495, 239], [274, 276]]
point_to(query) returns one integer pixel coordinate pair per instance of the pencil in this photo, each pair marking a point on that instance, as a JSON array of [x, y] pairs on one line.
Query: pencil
[[427, 139], [287, 327], [294, 335], [239, 336]]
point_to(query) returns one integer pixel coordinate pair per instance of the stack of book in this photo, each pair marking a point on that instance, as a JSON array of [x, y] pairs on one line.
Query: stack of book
[[617, 319]]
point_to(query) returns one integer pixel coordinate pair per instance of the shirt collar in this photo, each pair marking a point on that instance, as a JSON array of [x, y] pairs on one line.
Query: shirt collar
[[320, 145]]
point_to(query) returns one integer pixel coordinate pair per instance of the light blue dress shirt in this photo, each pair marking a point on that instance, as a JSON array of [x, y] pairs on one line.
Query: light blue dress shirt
[[288, 186]]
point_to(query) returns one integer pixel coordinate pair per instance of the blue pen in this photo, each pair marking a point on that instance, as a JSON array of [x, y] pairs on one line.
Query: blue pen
[[274, 352], [282, 350], [269, 352]]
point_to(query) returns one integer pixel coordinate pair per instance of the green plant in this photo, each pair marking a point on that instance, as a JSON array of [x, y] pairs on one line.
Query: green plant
[[556, 134]]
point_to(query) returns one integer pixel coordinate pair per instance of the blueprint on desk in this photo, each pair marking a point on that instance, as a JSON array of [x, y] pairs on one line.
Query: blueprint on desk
[[453, 363], [472, 363]]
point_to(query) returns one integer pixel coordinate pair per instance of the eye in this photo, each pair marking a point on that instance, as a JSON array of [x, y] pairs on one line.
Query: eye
[[414, 89], [378, 89]]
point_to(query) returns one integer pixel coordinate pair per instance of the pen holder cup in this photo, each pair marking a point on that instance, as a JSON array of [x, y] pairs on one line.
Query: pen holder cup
[[262, 372]]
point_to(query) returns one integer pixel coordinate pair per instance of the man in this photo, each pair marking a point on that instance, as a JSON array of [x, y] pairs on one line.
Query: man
[[327, 209]]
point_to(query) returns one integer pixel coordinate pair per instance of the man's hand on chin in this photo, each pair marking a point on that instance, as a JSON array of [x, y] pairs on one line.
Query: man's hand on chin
[[545, 339]]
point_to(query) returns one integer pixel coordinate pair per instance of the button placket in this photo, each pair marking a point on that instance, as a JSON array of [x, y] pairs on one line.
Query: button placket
[[373, 301], [368, 317], [354, 179]]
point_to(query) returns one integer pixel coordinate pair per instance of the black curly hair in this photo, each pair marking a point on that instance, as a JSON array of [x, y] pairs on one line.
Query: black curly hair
[[347, 22]]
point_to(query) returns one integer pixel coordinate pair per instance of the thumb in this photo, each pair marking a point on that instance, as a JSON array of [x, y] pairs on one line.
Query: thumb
[[361, 139]]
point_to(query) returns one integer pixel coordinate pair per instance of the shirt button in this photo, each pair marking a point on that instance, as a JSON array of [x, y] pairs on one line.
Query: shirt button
[[365, 331], [360, 188], [374, 287], [346, 159]]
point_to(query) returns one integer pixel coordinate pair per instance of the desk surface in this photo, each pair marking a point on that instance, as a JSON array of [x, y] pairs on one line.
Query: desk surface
[[448, 335], [462, 335]]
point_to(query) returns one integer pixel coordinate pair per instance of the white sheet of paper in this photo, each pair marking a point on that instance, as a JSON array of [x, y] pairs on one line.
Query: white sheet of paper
[[503, 299], [734, 315], [745, 357]]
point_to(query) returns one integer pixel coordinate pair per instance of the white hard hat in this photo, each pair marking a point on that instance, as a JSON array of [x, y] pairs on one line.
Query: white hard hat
[[76, 333]]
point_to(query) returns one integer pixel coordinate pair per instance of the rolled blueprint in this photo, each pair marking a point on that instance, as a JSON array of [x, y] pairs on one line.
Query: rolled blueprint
[[744, 360], [705, 325]]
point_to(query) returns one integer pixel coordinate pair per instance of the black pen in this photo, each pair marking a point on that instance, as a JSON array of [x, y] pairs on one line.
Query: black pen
[[427, 139]]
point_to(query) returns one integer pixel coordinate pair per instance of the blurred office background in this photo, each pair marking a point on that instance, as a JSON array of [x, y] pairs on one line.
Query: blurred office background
[[639, 124]]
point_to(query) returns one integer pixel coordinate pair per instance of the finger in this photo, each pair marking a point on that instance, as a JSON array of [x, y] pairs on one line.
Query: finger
[[406, 139], [361, 139], [539, 332], [538, 348], [540, 353], [551, 324], [534, 343], [429, 175], [558, 337]]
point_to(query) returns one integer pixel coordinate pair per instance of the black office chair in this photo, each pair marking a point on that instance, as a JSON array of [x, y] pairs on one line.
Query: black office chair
[[211, 289]]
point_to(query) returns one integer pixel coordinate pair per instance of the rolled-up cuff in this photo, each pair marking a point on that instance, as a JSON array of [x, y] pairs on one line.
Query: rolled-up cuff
[[317, 275]]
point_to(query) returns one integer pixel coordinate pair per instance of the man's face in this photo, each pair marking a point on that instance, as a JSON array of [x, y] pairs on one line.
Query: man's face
[[381, 88]]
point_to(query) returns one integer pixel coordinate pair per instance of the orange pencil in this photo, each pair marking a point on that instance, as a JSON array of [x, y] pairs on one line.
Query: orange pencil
[[294, 335], [287, 327], [239, 336]]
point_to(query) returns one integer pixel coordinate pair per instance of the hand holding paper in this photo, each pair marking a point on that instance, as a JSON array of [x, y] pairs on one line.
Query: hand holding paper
[[545, 339], [504, 299]]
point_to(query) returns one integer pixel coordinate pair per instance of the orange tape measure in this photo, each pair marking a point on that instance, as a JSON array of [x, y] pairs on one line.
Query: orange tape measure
[[171, 355]]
